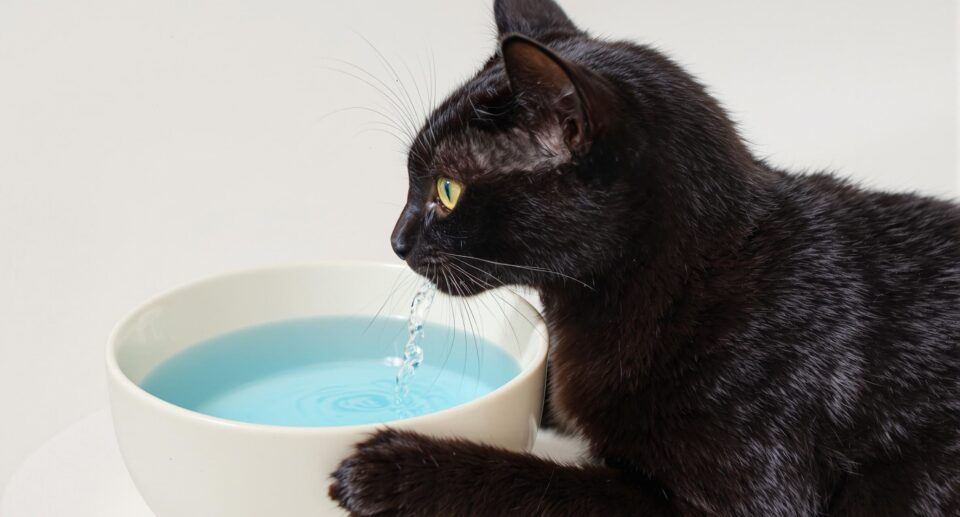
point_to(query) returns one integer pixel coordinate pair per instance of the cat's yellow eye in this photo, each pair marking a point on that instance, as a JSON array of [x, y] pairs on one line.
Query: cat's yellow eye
[[448, 191]]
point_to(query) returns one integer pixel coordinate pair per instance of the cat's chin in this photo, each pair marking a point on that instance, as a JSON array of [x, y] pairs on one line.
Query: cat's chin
[[456, 286], [448, 282]]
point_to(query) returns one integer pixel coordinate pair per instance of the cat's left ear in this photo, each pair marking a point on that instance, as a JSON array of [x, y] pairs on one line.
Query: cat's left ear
[[555, 91], [541, 19]]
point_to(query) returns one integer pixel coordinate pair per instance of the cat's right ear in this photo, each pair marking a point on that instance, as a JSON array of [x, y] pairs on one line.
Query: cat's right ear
[[567, 103]]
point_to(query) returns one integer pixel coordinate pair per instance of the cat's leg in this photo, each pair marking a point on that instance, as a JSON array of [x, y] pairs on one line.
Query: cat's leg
[[926, 485], [402, 473]]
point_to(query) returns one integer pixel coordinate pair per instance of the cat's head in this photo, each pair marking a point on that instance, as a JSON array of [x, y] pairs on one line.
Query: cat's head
[[539, 169]]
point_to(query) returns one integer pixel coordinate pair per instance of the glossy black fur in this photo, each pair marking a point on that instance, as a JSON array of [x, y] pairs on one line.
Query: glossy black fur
[[744, 341]]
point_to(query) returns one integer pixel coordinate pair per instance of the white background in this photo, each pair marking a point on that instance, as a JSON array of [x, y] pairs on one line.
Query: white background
[[145, 144]]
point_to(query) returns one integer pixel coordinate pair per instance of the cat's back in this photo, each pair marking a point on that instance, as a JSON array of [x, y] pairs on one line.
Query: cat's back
[[901, 244], [858, 291], [886, 264], [871, 278], [867, 258]]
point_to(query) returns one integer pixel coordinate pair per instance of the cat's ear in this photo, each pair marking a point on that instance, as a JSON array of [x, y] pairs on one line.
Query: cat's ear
[[540, 19], [573, 100]]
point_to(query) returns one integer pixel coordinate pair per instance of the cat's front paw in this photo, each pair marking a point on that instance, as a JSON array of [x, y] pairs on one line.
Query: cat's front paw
[[383, 476]]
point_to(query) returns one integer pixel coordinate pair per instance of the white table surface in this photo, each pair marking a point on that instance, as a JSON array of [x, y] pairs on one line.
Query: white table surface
[[79, 473]]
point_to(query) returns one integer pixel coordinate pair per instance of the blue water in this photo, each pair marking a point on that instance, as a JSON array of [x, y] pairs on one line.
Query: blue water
[[328, 371]]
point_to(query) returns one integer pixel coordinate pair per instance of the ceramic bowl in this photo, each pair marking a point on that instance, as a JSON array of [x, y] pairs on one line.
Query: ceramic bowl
[[187, 464]]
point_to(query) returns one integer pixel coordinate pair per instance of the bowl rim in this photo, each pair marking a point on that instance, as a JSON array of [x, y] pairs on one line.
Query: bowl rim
[[119, 379]]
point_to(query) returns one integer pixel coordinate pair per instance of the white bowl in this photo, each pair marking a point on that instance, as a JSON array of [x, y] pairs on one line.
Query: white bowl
[[189, 464]]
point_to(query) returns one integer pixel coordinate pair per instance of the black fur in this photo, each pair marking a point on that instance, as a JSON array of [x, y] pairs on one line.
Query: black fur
[[731, 339]]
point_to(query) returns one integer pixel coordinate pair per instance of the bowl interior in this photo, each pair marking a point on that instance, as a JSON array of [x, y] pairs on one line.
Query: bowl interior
[[186, 316]]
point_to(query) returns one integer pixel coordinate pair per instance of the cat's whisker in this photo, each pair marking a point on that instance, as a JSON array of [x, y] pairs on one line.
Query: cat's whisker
[[391, 70], [384, 127], [473, 106], [395, 99], [491, 275], [518, 311], [387, 118], [529, 268], [393, 290], [416, 86], [477, 281], [407, 288], [384, 131], [459, 301], [426, 67], [404, 118], [443, 272], [469, 320], [480, 298], [474, 321], [433, 74], [387, 124], [513, 329], [401, 286], [475, 332], [500, 298]]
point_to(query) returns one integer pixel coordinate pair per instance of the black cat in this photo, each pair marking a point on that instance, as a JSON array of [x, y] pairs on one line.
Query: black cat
[[743, 342]]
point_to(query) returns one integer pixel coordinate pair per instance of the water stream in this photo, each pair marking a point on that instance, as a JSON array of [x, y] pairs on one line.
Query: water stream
[[412, 352]]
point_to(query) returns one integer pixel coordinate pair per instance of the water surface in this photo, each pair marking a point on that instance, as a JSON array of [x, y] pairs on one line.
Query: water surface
[[328, 371]]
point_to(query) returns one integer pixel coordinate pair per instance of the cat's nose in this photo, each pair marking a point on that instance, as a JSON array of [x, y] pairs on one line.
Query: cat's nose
[[400, 246], [404, 233]]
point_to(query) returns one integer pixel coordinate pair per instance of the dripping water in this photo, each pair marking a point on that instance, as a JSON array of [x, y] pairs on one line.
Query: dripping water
[[412, 352]]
